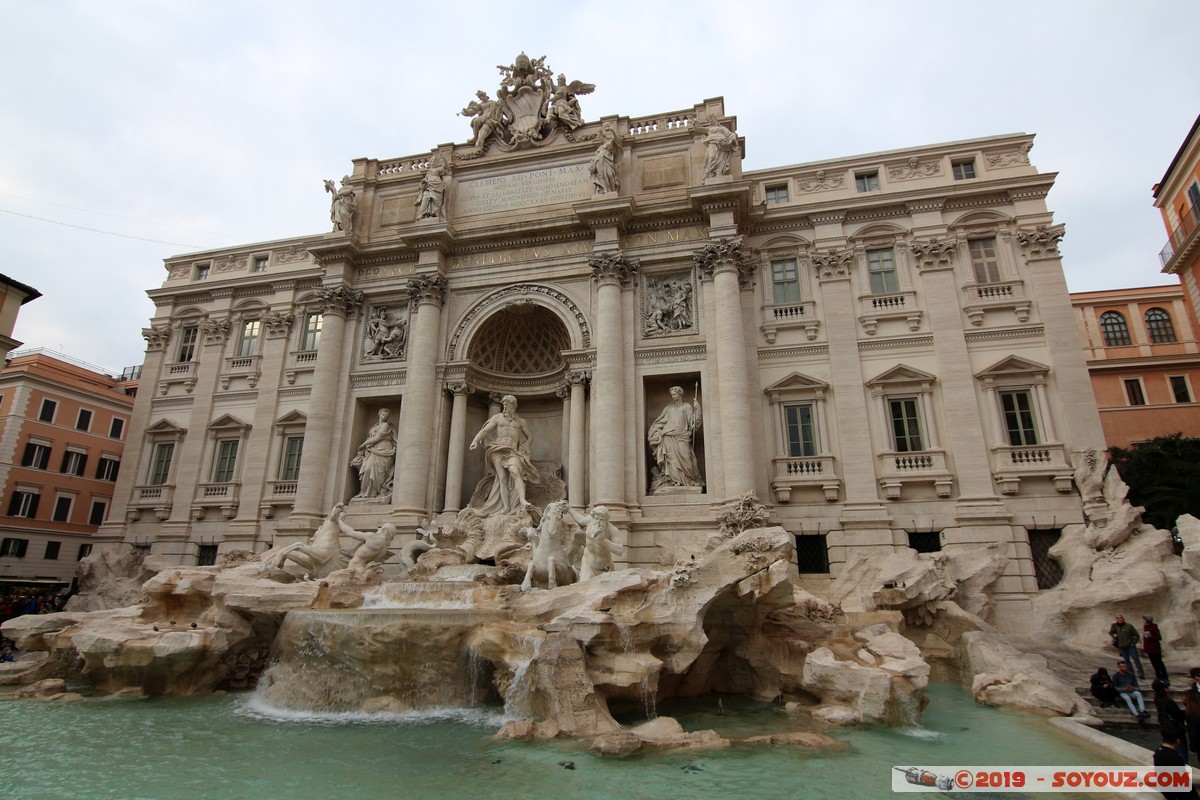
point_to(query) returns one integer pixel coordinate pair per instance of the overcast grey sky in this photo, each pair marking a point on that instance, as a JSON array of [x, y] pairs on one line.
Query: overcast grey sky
[[131, 131]]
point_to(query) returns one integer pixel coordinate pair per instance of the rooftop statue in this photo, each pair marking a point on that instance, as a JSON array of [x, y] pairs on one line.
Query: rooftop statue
[[342, 206], [529, 105], [720, 143], [432, 192]]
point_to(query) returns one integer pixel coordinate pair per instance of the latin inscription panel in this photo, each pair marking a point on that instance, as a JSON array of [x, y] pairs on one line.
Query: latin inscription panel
[[541, 187]]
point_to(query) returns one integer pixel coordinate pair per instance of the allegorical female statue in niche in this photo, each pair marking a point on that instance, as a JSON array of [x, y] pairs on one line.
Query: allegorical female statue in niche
[[376, 460], [671, 438]]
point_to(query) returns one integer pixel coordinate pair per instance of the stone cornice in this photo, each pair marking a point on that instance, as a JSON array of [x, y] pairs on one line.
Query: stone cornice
[[808, 351], [607, 213], [896, 342], [658, 355], [438, 236], [997, 334]]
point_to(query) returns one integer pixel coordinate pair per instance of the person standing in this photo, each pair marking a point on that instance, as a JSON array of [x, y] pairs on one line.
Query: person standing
[[1125, 638], [1152, 645]]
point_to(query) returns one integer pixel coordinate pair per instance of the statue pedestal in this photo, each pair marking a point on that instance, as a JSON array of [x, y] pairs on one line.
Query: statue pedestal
[[663, 491]]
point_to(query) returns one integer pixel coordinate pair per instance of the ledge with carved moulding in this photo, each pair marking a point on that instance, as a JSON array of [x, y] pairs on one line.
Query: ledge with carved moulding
[[782, 316], [806, 472], [896, 305], [923, 466]]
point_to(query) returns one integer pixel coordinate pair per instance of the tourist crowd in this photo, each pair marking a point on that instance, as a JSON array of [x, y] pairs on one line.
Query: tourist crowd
[[1179, 721], [31, 601]]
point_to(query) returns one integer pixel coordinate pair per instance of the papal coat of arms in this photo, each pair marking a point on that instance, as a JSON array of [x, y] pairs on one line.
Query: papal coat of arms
[[529, 106]]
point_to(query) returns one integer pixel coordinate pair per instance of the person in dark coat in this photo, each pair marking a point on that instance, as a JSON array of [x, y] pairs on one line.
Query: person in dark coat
[[1152, 647], [1170, 715], [1191, 710], [1102, 688], [1167, 755]]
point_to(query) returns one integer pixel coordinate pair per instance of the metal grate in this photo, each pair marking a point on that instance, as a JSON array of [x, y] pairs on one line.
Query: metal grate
[[812, 554], [1047, 569], [206, 555]]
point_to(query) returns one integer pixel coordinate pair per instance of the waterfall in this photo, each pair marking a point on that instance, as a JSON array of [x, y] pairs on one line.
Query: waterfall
[[518, 700]]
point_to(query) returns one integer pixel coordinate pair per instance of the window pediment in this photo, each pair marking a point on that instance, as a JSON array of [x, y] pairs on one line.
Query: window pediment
[[901, 376], [1014, 367], [796, 386]]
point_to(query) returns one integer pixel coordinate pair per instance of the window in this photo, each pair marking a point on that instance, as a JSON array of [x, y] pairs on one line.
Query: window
[[248, 341], [1194, 196], [47, 412], [812, 555], [1019, 418], [62, 508], [85, 550], [312, 331], [99, 510], [925, 541], [800, 426], [777, 194], [786, 281], [881, 266], [293, 448], [983, 260], [1179, 389], [1158, 325], [14, 547], [187, 342], [260, 264], [1133, 391], [23, 504], [866, 181], [84, 421], [117, 428], [73, 463], [206, 555], [226, 460], [201, 271], [160, 464], [37, 455], [107, 468], [1114, 330], [52, 549], [963, 170], [1046, 569], [906, 425]]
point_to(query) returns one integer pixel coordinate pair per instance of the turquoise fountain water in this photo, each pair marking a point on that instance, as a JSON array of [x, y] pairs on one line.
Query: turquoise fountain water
[[236, 746]]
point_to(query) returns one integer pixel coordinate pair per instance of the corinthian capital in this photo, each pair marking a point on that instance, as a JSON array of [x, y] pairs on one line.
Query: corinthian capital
[[932, 253], [339, 299], [613, 268], [727, 255], [426, 289], [277, 325], [214, 331], [832, 264], [156, 337], [1042, 241]]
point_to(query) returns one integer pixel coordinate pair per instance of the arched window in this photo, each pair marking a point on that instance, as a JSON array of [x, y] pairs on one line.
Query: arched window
[[1158, 325], [1114, 329]]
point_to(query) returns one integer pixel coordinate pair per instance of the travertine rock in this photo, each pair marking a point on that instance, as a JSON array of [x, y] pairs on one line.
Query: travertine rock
[[112, 577]]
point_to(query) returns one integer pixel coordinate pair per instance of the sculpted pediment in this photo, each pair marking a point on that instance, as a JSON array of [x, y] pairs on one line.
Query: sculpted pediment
[[1013, 365], [901, 374]]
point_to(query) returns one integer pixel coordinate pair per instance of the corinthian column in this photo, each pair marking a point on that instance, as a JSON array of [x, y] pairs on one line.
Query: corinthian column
[[458, 443], [337, 303], [729, 269], [577, 435], [426, 294], [611, 271]]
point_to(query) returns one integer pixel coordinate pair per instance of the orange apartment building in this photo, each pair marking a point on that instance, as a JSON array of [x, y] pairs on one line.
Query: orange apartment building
[[1144, 361], [63, 426], [1177, 197]]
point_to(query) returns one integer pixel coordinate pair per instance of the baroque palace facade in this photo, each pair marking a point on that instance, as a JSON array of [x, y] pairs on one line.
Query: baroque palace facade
[[881, 348]]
